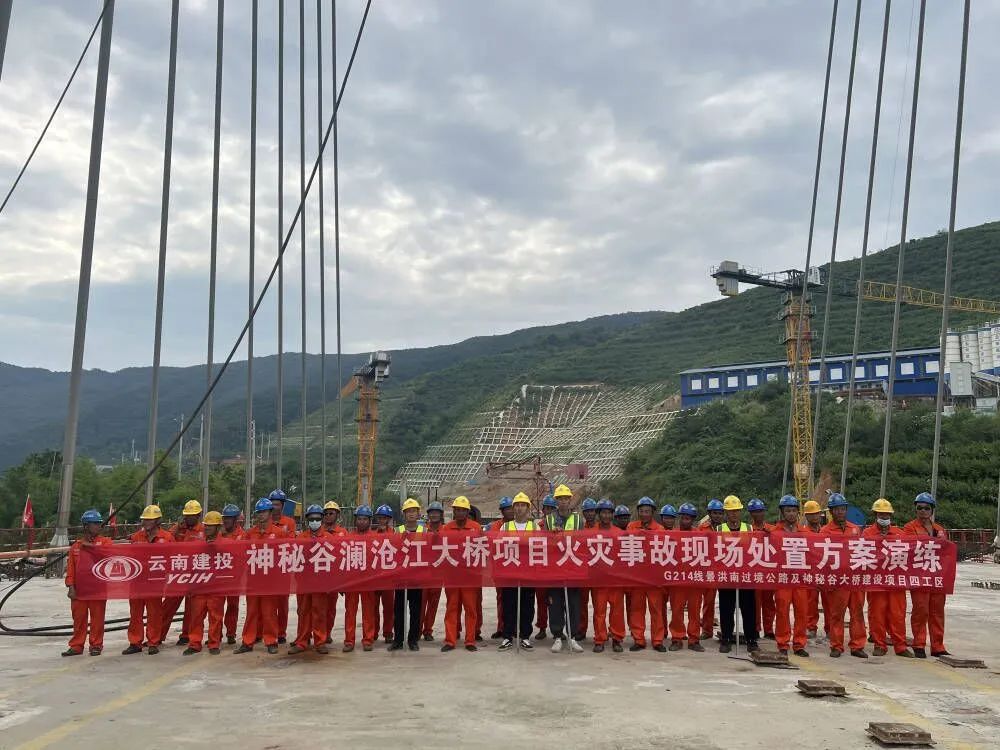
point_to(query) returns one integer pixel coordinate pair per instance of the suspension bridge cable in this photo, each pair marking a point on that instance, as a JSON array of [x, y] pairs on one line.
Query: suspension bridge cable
[[280, 407], [322, 249], [251, 432], [949, 252], [836, 232], [336, 252], [812, 224], [902, 249], [55, 109], [864, 246], [206, 442], [161, 267], [303, 399]]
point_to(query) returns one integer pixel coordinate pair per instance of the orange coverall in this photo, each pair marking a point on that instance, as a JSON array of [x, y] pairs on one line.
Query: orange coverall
[[460, 599], [928, 608], [650, 598], [707, 597], [789, 602], [232, 602], [311, 609], [369, 617], [609, 605], [181, 532], [332, 596], [764, 598], [689, 597], [844, 601], [288, 524], [887, 609], [262, 611], [84, 610], [152, 607]]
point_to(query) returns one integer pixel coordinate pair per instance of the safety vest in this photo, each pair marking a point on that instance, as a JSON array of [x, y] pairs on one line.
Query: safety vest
[[509, 526], [572, 523], [743, 527], [402, 529]]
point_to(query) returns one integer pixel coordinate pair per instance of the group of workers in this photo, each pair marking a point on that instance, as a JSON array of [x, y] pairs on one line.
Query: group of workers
[[673, 617]]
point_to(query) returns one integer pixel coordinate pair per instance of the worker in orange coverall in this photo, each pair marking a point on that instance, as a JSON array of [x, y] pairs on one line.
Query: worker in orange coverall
[[331, 514], [928, 608], [716, 515], [461, 599], [232, 529], [152, 607], [844, 601], [311, 608], [686, 597], [791, 601], [886, 609], [609, 601], [364, 599], [188, 529], [88, 615], [262, 610], [650, 597], [212, 605], [432, 597]]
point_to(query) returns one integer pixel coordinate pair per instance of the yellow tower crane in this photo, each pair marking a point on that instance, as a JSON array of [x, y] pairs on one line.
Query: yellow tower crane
[[365, 381]]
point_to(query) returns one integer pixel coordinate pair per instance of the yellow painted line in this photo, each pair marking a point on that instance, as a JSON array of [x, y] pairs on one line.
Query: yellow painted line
[[75, 724], [892, 707], [961, 677]]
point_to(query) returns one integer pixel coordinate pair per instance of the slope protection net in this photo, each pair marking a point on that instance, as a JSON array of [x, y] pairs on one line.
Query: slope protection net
[[595, 425]]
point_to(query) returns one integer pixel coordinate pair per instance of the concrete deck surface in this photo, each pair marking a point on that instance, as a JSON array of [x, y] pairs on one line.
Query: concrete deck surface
[[486, 699]]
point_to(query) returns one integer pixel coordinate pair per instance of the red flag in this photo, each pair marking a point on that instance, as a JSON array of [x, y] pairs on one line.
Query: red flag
[[112, 518], [28, 516]]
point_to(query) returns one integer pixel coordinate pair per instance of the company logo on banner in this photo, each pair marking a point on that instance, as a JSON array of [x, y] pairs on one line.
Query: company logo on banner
[[117, 569]]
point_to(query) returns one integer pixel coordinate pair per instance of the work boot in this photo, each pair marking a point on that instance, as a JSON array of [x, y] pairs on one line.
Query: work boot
[[598, 648], [557, 645], [189, 651], [906, 654], [696, 647], [753, 647], [860, 653], [942, 652], [479, 638], [637, 647], [329, 640], [675, 646], [575, 647], [230, 639], [388, 638], [428, 637], [282, 640], [132, 649], [879, 651], [71, 652], [706, 635], [471, 647], [505, 645], [215, 651], [783, 651], [272, 649], [498, 634], [659, 647], [447, 647], [526, 645], [616, 646], [540, 635], [725, 647], [835, 653], [413, 646], [348, 648], [295, 649], [322, 649], [395, 647], [769, 637], [801, 652], [367, 647], [183, 640], [153, 650], [95, 651], [919, 653], [243, 649]]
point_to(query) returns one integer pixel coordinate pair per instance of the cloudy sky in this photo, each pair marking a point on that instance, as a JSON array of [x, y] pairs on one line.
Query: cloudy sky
[[503, 164]]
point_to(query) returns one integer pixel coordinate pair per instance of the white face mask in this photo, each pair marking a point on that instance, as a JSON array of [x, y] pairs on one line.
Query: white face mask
[[314, 525], [883, 521]]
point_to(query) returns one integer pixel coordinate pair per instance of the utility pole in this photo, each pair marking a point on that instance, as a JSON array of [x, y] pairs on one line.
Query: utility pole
[[180, 452], [61, 536]]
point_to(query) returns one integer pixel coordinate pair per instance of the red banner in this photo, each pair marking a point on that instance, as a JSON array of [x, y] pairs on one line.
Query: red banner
[[590, 558]]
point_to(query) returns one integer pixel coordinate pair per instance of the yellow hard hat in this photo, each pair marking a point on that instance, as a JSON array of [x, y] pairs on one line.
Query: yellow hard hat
[[520, 497], [191, 508], [811, 506], [461, 502], [882, 506], [213, 518], [151, 512], [732, 503], [562, 491], [410, 503], [331, 505]]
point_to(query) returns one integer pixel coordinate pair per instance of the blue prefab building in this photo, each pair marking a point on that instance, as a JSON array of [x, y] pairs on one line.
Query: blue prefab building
[[916, 375]]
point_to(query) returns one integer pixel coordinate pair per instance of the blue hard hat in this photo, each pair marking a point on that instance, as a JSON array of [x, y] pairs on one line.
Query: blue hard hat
[[756, 504], [263, 504], [714, 504], [925, 497], [788, 501], [231, 511], [363, 510], [836, 501], [435, 506], [383, 510], [647, 501], [91, 516], [314, 510], [549, 502], [668, 510], [589, 504], [277, 495], [688, 510], [605, 504], [622, 510], [506, 502]]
